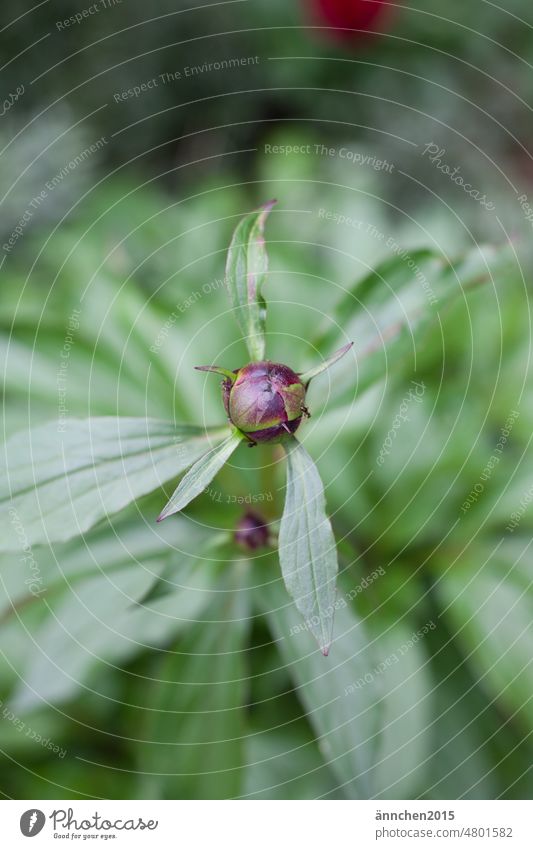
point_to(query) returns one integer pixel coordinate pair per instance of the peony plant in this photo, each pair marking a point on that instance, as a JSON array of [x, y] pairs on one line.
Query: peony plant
[[265, 403]]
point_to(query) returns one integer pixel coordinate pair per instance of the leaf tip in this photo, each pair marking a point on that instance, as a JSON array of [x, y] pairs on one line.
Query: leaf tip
[[307, 376], [265, 209], [344, 350], [224, 372], [164, 515]]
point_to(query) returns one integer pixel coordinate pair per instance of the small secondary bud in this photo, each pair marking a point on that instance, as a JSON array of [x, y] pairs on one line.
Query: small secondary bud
[[252, 532]]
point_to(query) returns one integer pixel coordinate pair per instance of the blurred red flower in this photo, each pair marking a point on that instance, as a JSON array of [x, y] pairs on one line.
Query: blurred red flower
[[346, 15]]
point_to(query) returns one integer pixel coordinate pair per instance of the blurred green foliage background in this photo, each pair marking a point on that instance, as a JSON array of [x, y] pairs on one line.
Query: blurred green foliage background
[[166, 663]]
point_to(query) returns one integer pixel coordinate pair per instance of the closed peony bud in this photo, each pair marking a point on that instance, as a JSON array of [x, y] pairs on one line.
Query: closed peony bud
[[252, 532], [266, 401]]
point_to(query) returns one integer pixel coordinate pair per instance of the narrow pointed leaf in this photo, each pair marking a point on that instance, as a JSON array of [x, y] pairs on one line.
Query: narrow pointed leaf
[[391, 312], [488, 604], [345, 719], [314, 372], [246, 268], [117, 543], [57, 483], [201, 475], [307, 549], [193, 730], [223, 372], [102, 621]]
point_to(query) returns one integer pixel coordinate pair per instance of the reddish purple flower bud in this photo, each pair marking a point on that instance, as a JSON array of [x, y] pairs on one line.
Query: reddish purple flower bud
[[348, 18], [265, 401], [252, 532]]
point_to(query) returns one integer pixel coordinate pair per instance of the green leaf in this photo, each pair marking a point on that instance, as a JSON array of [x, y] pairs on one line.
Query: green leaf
[[113, 545], [79, 627], [391, 310], [343, 715], [308, 375], [246, 269], [201, 475], [284, 763], [111, 357], [193, 712], [487, 600], [376, 290], [56, 484], [307, 550], [406, 685], [103, 621], [459, 766], [465, 728]]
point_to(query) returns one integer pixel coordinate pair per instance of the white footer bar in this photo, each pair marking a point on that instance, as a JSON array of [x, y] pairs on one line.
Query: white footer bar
[[268, 824]]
